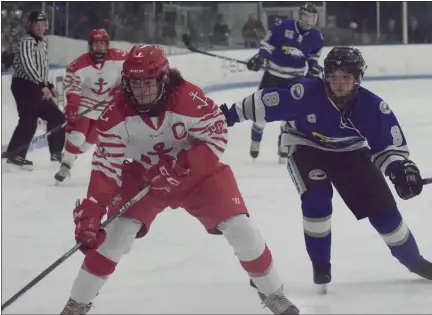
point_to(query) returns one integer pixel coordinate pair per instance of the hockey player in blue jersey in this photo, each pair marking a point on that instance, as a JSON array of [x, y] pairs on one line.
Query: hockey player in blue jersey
[[288, 47], [342, 134]]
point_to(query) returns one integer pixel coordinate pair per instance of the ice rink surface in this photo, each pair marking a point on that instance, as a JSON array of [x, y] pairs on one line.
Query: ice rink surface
[[179, 268]]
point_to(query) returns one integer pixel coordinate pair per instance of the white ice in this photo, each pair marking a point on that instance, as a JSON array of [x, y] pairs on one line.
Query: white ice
[[178, 268]]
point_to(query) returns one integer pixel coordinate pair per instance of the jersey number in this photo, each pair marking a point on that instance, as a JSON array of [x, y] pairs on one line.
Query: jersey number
[[397, 135]]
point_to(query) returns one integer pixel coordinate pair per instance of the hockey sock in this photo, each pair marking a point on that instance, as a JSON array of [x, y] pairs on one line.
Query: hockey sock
[[252, 251], [74, 140], [397, 236], [86, 286], [69, 158], [257, 132], [317, 212], [99, 264]]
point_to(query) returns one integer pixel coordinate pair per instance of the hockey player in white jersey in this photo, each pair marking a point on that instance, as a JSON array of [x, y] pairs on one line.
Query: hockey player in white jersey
[[90, 80], [175, 136]]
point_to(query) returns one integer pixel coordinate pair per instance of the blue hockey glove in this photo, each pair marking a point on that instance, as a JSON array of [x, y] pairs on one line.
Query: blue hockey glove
[[231, 116], [255, 63], [406, 178], [314, 72]]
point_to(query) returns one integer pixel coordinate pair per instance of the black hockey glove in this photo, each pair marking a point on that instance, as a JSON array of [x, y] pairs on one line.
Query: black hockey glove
[[228, 116], [406, 178], [255, 63], [314, 72]]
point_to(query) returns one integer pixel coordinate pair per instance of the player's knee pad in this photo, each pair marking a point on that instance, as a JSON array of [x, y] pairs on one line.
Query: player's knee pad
[[86, 146], [390, 225], [120, 235], [98, 265], [250, 247], [317, 211], [74, 140], [259, 126]]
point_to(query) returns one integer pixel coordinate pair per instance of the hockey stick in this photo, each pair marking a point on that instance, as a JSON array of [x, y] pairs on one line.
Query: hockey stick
[[70, 252], [55, 129], [427, 181], [188, 43]]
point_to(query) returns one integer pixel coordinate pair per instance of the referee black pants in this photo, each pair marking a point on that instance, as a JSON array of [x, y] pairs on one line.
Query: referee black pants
[[30, 107]]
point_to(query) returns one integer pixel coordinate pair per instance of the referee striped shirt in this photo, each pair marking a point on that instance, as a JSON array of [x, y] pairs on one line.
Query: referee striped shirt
[[31, 60]]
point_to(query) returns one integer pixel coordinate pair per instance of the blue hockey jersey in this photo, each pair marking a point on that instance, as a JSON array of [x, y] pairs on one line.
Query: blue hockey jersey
[[288, 49], [317, 122]]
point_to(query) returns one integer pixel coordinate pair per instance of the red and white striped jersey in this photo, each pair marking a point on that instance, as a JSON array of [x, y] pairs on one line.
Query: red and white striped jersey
[[189, 121], [87, 83]]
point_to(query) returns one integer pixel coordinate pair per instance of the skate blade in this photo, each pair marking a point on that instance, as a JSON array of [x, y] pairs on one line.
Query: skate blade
[[322, 288], [59, 180], [10, 167]]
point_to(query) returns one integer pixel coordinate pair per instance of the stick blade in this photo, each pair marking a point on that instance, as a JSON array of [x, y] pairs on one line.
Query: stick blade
[[188, 43]]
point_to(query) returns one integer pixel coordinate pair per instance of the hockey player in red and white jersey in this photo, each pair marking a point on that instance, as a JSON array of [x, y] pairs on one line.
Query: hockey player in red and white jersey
[[90, 80], [164, 131]]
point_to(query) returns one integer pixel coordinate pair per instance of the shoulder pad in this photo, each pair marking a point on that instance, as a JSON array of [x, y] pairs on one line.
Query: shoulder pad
[[79, 63], [191, 101], [117, 54]]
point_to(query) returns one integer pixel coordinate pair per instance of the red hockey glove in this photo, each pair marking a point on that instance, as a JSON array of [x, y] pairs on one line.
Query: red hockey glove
[[71, 111], [167, 175], [87, 218]]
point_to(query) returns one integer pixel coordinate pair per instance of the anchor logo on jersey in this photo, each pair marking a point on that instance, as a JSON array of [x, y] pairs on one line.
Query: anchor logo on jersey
[[160, 151], [204, 101], [100, 83]]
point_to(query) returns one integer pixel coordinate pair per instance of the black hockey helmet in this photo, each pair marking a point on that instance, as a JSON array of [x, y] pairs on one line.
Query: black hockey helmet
[[349, 60], [308, 16], [37, 16]]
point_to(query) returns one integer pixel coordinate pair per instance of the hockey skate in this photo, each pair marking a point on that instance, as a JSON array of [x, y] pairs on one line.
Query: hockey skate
[[322, 277], [277, 302], [62, 173], [423, 269], [75, 308], [254, 149], [17, 162]]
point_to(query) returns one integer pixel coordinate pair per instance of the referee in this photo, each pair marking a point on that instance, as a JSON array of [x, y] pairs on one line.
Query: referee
[[33, 95]]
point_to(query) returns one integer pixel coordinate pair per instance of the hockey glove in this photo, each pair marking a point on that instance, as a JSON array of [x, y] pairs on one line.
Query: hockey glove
[[406, 178], [231, 116], [167, 174], [255, 63], [71, 112], [314, 72], [87, 218]]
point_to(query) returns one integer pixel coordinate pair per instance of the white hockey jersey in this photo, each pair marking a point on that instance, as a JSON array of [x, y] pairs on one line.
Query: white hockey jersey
[[189, 121], [87, 84]]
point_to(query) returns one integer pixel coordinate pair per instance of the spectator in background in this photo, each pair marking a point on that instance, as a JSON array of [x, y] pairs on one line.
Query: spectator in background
[[221, 31], [253, 31], [392, 35], [416, 35]]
